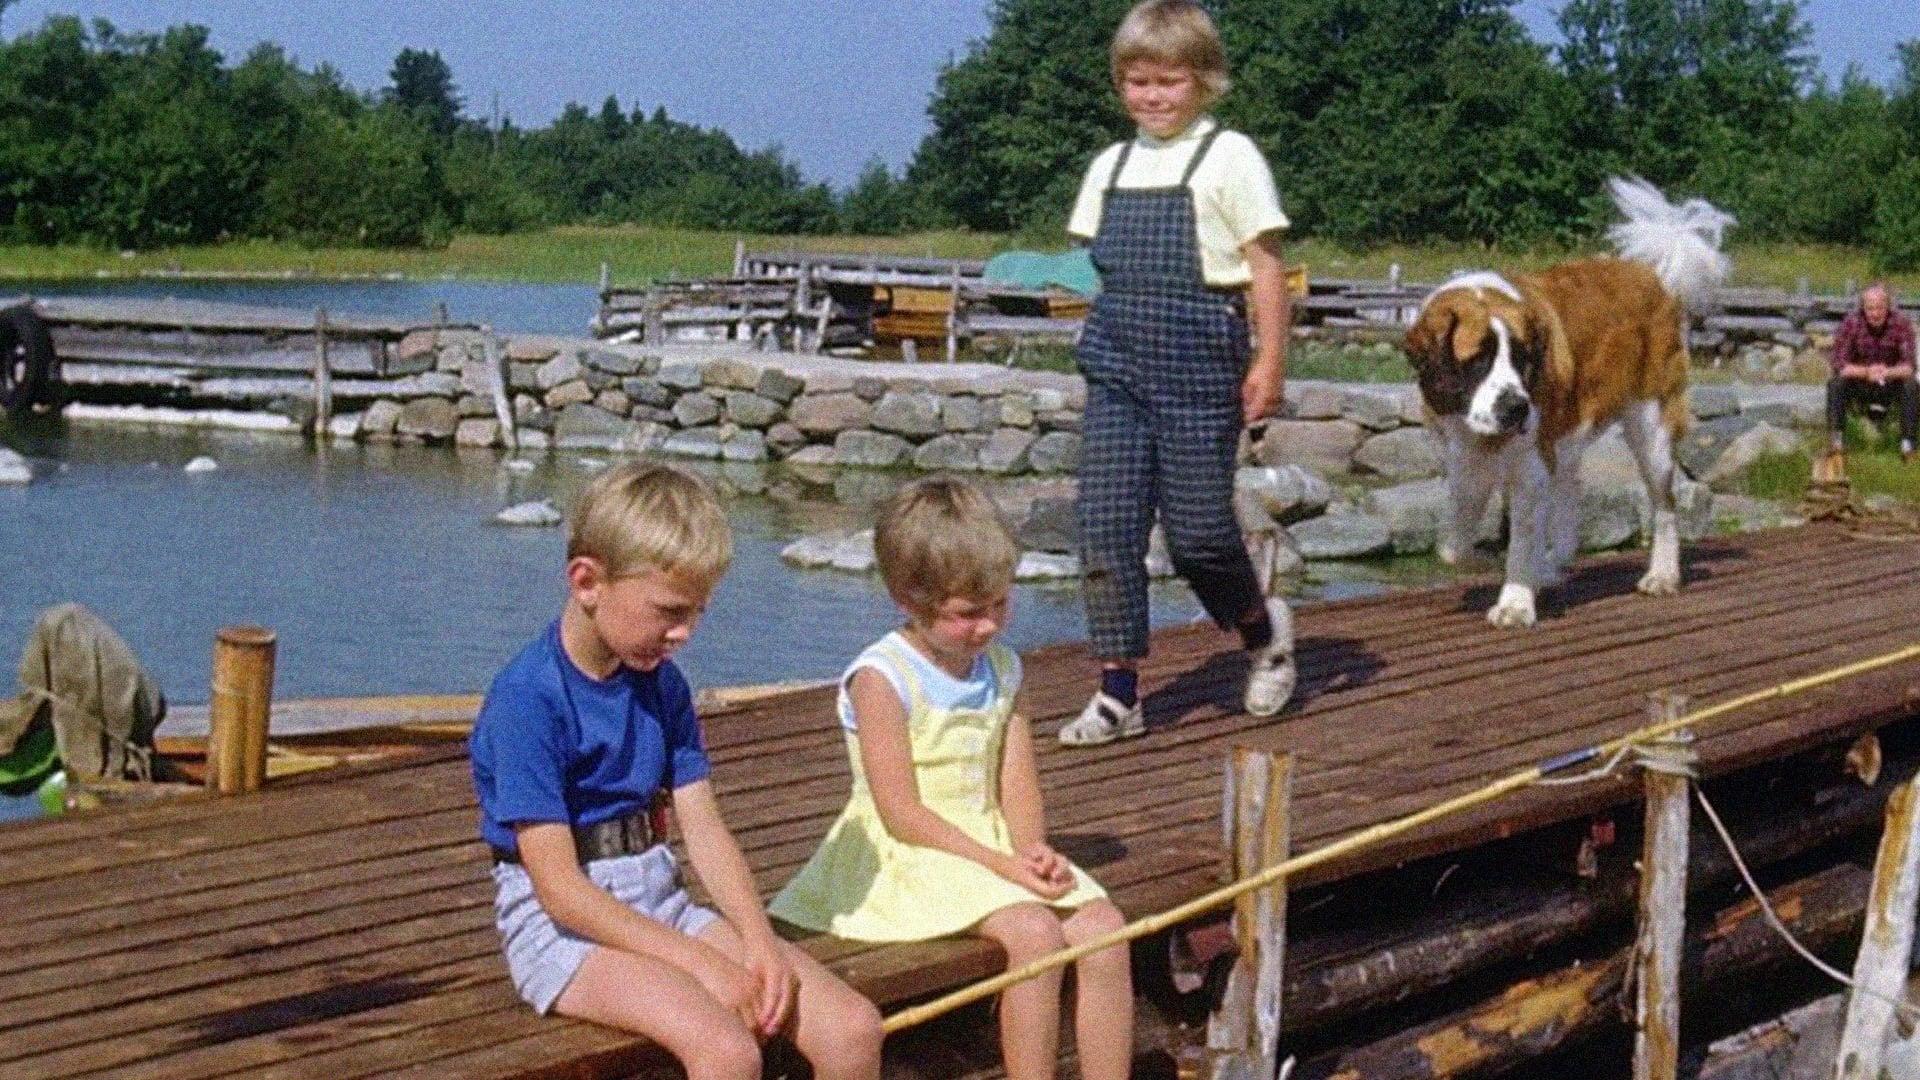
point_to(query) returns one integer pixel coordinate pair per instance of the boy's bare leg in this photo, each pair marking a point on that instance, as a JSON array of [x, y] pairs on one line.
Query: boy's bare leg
[[653, 998], [1030, 1011], [836, 1028], [1103, 1005]]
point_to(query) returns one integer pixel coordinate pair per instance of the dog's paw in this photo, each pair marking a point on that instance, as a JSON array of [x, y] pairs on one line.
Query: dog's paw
[[1660, 583], [1514, 609]]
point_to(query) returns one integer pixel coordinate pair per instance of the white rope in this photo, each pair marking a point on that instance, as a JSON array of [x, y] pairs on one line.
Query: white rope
[[1907, 1008]]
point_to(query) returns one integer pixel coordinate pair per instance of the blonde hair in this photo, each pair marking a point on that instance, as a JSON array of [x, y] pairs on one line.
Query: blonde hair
[[939, 538], [1172, 32], [639, 517]]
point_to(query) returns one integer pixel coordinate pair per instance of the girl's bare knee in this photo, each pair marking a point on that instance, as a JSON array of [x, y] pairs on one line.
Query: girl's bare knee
[[851, 1047], [1028, 931]]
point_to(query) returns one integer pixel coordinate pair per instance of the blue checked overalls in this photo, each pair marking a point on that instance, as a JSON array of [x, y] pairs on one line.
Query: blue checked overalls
[[1164, 357]]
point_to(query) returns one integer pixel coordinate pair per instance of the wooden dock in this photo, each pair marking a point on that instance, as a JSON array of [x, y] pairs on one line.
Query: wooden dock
[[339, 925]]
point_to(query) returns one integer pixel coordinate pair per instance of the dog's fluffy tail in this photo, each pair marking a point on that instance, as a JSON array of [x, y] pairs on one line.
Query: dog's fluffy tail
[[1681, 243]]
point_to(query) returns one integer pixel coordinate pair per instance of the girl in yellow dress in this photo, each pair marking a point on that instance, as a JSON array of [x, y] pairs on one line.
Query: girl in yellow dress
[[944, 832]]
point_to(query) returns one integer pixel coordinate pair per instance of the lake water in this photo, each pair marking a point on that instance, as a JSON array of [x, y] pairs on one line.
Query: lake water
[[377, 565]]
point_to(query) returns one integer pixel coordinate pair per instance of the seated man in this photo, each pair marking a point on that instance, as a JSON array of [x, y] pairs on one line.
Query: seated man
[[1873, 363]]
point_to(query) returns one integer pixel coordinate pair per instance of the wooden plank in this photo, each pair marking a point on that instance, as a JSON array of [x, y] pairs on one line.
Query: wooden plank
[[1881, 968], [292, 353], [164, 314], [1663, 900]]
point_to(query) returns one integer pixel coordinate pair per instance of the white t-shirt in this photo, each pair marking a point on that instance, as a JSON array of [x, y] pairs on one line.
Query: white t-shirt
[[1234, 198]]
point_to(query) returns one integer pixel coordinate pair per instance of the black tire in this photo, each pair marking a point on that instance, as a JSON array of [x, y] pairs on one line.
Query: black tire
[[29, 374]]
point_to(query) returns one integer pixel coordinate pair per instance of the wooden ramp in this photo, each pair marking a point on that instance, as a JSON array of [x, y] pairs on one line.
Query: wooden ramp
[[341, 926]]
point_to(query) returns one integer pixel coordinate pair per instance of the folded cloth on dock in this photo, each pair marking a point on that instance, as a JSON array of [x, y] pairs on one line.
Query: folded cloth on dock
[[77, 674]]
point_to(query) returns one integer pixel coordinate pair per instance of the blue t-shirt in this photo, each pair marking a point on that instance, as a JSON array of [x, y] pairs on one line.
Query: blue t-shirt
[[555, 744]]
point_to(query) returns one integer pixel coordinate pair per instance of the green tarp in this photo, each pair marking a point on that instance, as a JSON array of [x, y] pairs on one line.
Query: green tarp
[[1071, 270]]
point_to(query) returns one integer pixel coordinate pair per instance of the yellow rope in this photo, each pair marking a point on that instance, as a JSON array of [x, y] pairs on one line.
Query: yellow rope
[[1366, 838]]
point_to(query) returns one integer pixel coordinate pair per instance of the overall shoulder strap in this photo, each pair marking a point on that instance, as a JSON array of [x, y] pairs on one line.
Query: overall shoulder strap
[[1199, 155], [1119, 164]]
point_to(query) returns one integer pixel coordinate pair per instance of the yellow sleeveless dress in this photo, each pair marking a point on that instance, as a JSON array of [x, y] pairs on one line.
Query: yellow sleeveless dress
[[864, 885]]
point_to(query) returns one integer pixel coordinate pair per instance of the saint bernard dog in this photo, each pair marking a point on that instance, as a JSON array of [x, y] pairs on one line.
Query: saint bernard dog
[[1520, 373]]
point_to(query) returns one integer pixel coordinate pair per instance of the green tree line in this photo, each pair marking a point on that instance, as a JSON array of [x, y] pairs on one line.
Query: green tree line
[[1385, 120]]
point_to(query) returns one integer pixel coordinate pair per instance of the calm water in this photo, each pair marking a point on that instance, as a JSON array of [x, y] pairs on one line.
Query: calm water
[[506, 306], [377, 565], [378, 568]]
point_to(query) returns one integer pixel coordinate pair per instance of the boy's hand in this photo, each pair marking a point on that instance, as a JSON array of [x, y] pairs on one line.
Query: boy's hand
[[730, 984], [775, 980], [1261, 392], [1878, 373]]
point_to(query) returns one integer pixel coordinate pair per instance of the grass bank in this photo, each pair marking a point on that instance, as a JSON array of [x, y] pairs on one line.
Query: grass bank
[[1873, 466], [639, 253]]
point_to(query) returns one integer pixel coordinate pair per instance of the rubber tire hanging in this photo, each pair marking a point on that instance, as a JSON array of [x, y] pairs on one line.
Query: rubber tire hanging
[[29, 373]]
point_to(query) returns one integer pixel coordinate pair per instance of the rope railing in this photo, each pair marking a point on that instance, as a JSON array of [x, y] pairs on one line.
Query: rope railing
[[1380, 833]]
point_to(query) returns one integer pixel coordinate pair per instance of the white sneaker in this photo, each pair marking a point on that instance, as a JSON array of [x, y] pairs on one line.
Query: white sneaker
[[1102, 721], [1271, 674]]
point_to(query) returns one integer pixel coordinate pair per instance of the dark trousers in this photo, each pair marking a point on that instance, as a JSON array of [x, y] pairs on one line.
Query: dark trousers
[[1903, 394]]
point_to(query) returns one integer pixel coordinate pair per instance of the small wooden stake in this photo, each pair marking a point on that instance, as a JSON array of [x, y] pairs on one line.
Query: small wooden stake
[[1880, 971], [322, 378], [1244, 1032], [242, 702], [953, 318], [739, 258], [497, 386], [1663, 909]]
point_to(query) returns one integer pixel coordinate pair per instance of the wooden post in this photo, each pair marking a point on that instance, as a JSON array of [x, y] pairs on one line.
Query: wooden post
[[1663, 906], [322, 378], [953, 318], [802, 304], [1880, 971], [439, 317], [739, 258], [1243, 1034], [825, 318], [242, 701], [909, 350], [606, 280], [497, 386]]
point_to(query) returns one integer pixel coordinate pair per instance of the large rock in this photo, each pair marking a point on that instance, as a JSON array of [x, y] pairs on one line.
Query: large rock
[[531, 349], [749, 409], [829, 414], [1326, 446], [961, 413], [1609, 517], [583, 427], [14, 468], [1376, 410], [874, 449], [1286, 493], [647, 391], [783, 438], [699, 442], [432, 419], [1046, 566], [1707, 440], [1055, 452], [1342, 536], [680, 376], [914, 414], [477, 375], [569, 394], [1730, 468], [540, 513], [1006, 450], [730, 374], [819, 454], [613, 363], [745, 444], [1712, 402], [1413, 513], [435, 383], [381, 418], [563, 368], [696, 409], [1405, 454], [479, 431], [850, 552], [954, 453], [1048, 523], [1313, 401], [614, 401], [777, 385]]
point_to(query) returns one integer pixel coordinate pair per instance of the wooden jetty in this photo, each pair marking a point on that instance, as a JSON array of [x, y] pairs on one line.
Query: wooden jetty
[[339, 923]]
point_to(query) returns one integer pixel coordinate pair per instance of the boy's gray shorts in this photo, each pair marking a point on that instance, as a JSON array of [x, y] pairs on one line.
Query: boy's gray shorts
[[543, 957]]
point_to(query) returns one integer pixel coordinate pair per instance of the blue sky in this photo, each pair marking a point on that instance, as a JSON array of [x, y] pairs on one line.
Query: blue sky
[[834, 83]]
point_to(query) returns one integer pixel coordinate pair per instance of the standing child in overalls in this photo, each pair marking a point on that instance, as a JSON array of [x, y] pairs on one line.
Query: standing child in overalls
[[1184, 220], [944, 832]]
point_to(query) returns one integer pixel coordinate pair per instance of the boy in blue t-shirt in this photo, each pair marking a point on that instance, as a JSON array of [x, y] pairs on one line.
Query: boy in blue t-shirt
[[578, 737]]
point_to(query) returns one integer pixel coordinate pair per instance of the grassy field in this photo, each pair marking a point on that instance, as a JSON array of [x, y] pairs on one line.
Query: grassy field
[[1873, 466], [639, 253]]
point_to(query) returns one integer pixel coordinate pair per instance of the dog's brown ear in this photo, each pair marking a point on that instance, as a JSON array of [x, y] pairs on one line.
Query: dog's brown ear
[[1429, 334]]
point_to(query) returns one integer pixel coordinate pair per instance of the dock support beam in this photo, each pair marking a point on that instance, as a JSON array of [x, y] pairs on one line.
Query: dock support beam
[[1880, 972], [496, 361], [1663, 900], [1243, 1035], [322, 379], [242, 701]]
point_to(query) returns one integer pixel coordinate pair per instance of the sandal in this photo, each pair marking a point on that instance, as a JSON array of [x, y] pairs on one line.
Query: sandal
[[1103, 721]]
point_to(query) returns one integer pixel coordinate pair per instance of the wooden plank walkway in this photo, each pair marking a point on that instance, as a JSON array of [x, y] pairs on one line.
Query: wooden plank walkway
[[340, 925]]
